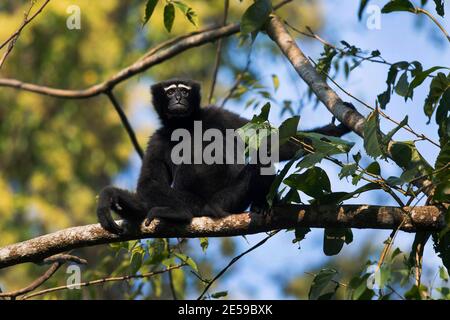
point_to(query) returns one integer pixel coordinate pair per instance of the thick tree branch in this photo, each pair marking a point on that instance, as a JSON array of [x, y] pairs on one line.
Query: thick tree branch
[[278, 33], [351, 118], [426, 218], [137, 67], [155, 56]]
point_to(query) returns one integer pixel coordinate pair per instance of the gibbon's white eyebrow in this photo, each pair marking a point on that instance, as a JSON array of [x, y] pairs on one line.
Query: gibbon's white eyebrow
[[177, 86], [170, 87], [184, 86]]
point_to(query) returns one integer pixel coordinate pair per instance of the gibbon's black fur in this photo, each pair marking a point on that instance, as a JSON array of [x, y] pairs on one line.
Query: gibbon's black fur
[[180, 192]]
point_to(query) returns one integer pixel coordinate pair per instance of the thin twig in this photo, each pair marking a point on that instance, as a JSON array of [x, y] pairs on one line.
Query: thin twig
[[24, 23], [12, 41], [421, 135], [313, 35], [36, 283], [334, 281], [238, 80], [56, 262], [125, 123], [394, 291], [420, 240], [218, 54], [101, 281], [429, 15], [235, 259], [182, 44]]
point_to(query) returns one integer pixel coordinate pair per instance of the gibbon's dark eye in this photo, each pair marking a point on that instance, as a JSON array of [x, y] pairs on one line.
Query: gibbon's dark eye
[[170, 92], [184, 92]]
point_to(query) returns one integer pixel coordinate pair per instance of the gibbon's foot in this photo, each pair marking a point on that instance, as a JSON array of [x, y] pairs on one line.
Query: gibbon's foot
[[107, 222], [174, 214], [263, 209], [213, 211]]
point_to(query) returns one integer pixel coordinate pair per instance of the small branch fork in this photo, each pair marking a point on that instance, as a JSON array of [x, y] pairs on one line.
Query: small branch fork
[[56, 262], [11, 41], [103, 280]]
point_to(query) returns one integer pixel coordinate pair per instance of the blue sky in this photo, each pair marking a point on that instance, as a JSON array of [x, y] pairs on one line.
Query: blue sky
[[257, 275]]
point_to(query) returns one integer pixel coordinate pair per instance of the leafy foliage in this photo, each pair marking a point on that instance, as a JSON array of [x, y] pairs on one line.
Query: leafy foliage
[[255, 16]]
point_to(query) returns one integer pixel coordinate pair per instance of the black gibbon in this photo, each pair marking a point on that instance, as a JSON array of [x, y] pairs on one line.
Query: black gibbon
[[179, 192]]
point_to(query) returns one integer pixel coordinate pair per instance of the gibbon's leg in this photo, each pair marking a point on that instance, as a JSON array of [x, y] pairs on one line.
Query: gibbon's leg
[[236, 197], [260, 187], [167, 203], [126, 204]]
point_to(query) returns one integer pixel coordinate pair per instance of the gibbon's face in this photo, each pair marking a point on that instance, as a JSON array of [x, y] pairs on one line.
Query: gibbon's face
[[176, 98], [177, 95]]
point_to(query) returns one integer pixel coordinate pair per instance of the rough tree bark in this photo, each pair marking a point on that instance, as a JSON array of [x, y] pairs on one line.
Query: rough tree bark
[[351, 118], [352, 216]]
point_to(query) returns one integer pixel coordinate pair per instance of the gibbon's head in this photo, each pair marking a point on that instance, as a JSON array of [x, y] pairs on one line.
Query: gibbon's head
[[176, 99]]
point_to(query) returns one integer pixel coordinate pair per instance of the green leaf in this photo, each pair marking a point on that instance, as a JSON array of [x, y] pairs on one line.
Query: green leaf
[[362, 6], [360, 290], [443, 274], [372, 135], [313, 182], [256, 16], [420, 78], [288, 129], [264, 115], [357, 157], [185, 259], [187, 11], [219, 294], [441, 245], [334, 239], [291, 197], [169, 16], [384, 98], [204, 243], [310, 160], [398, 5], [443, 158], [136, 262], [406, 156], [338, 197], [276, 82], [279, 178], [257, 130], [348, 170], [149, 8], [327, 145], [402, 87], [300, 233], [442, 178], [443, 118], [158, 250], [415, 293], [320, 282], [387, 138], [438, 86], [439, 7], [374, 168]]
